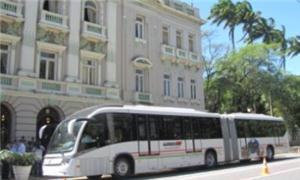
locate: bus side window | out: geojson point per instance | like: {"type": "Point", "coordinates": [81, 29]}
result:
{"type": "Point", "coordinates": [124, 127]}
{"type": "Point", "coordinates": [141, 127]}
{"type": "Point", "coordinates": [154, 126]}
{"type": "Point", "coordinates": [95, 133]}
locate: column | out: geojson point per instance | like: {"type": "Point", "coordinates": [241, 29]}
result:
{"type": "Point", "coordinates": [73, 56]}
{"type": "Point", "coordinates": [29, 36]}
{"type": "Point", "coordinates": [99, 73]}
{"type": "Point", "coordinates": [112, 22]}
{"type": "Point", "coordinates": [12, 58]}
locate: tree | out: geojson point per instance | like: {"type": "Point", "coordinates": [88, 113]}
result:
{"type": "Point", "coordinates": [212, 52]}
{"type": "Point", "coordinates": [242, 80]}
{"type": "Point", "coordinates": [225, 12]}
{"type": "Point", "coordinates": [294, 43]}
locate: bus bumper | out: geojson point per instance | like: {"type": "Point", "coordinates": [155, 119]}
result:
{"type": "Point", "coordinates": [61, 170]}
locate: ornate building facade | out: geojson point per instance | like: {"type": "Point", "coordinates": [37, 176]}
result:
{"type": "Point", "coordinates": [58, 57]}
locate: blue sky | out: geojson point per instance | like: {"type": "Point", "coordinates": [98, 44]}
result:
{"type": "Point", "coordinates": [284, 12]}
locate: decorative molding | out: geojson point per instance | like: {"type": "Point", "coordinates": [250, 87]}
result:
{"type": "Point", "coordinates": [11, 28]}
{"type": "Point", "coordinates": [91, 55]}
{"type": "Point", "coordinates": [50, 36]}
{"type": "Point", "coordinates": [9, 38]}
{"type": "Point", "coordinates": [142, 62]}
{"type": "Point", "coordinates": [51, 47]}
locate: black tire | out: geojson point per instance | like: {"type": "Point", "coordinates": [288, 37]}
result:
{"type": "Point", "coordinates": [94, 177]}
{"type": "Point", "coordinates": [270, 153]}
{"type": "Point", "coordinates": [210, 159]}
{"type": "Point", "coordinates": [122, 168]}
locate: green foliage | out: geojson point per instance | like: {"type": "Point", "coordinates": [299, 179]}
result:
{"type": "Point", "coordinates": [17, 159]}
{"type": "Point", "coordinates": [249, 79]}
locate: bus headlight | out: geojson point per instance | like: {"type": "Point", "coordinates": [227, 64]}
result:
{"type": "Point", "coordinates": [65, 160]}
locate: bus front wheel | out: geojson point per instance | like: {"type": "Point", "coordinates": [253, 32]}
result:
{"type": "Point", "coordinates": [210, 159]}
{"type": "Point", "coordinates": [122, 167]}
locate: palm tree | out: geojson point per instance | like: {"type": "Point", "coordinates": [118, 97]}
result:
{"type": "Point", "coordinates": [279, 37]}
{"type": "Point", "coordinates": [294, 44]}
{"type": "Point", "coordinates": [224, 12]}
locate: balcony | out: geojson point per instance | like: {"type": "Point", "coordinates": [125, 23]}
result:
{"type": "Point", "coordinates": [54, 21]}
{"type": "Point", "coordinates": [194, 60]}
{"type": "Point", "coordinates": [143, 97]}
{"type": "Point", "coordinates": [182, 56]}
{"type": "Point", "coordinates": [11, 10]}
{"type": "Point", "coordinates": [50, 86]}
{"type": "Point", "coordinates": [168, 53]}
{"type": "Point", "coordinates": [57, 87]}
{"type": "Point", "coordinates": [90, 90]}
{"type": "Point", "coordinates": [93, 32]}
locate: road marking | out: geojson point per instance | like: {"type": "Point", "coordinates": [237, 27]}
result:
{"type": "Point", "coordinates": [276, 173]}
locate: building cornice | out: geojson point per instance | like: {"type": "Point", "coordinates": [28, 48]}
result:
{"type": "Point", "coordinates": [159, 4]}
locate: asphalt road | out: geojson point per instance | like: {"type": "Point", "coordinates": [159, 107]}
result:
{"type": "Point", "coordinates": [284, 167]}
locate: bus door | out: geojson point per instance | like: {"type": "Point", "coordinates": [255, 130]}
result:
{"type": "Point", "coordinates": [242, 128]}
{"type": "Point", "coordinates": [276, 130]}
{"type": "Point", "coordinates": [148, 141]}
{"type": "Point", "coordinates": [188, 134]}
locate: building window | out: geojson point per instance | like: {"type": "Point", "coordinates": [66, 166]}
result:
{"type": "Point", "coordinates": [4, 58]}
{"type": "Point", "coordinates": [139, 28]}
{"type": "Point", "coordinates": [167, 85]}
{"type": "Point", "coordinates": [179, 39]}
{"type": "Point", "coordinates": [88, 75]}
{"type": "Point", "coordinates": [52, 6]}
{"type": "Point", "coordinates": [90, 12]}
{"type": "Point", "coordinates": [191, 43]}
{"type": "Point", "coordinates": [47, 66]}
{"type": "Point", "coordinates": [165, 35]}
{"type": "Point", "coordinates": [193, 89]}
{"type": "Point", "coordinates": [180, 90]}
{"type": "Point", "coordinates": [139, 80]}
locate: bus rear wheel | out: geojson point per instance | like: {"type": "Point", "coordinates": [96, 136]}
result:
{"type": "Point", "coordinates": [210, 159]}
{"type": "Point", "coordinates": [122, 168]}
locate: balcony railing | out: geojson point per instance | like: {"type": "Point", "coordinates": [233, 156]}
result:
{"type": "Point", "coordinates": [182, 56]}
{"type": "Point", "coordinates": [55, 20]}
{"type": "Point", "coordinates": [57, 87]}
{"type": "Point", "coordinates": [11, 8]}
{"type": "Point", "coordinates": [93, 90]}
{"type": "Point", "coordinates": [49, 86]}
{"type": "Point", "coordinates": [94, 30]}
{"type": "Point", "coordinates": [168, 52]}
{"type": "Point", "coordinates": [193, 57]}
{"type": "Point", "coordinates": [143, 97]}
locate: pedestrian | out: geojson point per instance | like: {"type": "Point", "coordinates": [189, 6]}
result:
{"type": "Point", "coordinates": [18, 147]}
{"type": "Point", "coordinates": [38, 151]}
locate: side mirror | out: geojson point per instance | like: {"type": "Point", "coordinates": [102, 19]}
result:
{"type": "Point", "coordinates": [41, 131]}
{"type": "Point", "coordinates": [71, 126]}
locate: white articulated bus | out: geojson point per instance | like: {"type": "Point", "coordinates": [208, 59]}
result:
{"type": "Point", "coordinates": [127, 140]}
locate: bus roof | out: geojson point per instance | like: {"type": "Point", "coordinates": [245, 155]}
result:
{"type": "Point", "coordinates": [254, 116]}
{"type": "Point", "coordinates": [156, 110]}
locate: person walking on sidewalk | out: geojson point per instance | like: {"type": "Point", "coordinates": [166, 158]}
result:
{"type": "Point", "coordinates": [38, 151]}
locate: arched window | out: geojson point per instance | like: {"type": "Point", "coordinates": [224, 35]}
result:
{"type": "Point", "coordinates": [90, 12]}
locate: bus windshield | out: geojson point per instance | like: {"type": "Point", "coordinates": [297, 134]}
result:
{"type": "Point", "coordinates": [61, 140]}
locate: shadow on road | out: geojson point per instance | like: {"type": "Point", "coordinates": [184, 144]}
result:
{"type": "Point", "coordinates": [198, 169]}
